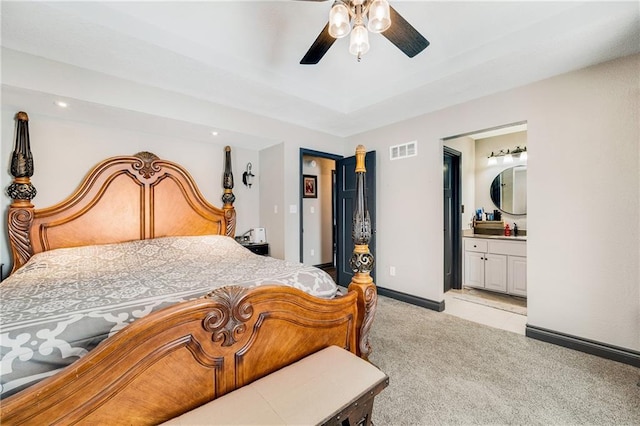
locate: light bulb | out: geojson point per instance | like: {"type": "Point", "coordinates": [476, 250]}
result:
{"type": "Point", "coordinates": [379, 16]}
{"type": "Point", "coordinates": [493, 160]}
{"type": "Point", "coordinates": [523, 156]}
{"type": "Point", "coordinates": [508, 158]}
{"type": "Point", "coordinates": [339, 25]}
{"type": "Point", "coordinates": [359, 42]}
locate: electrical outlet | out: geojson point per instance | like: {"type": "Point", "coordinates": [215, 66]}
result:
{"type": "Point", "coordinates": [312, 252]}
{"type": "Point", "coordinates": [392, 271]}
{"type": "Point", "coordinates": [275, 209]}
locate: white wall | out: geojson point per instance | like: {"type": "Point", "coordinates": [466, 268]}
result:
{"type": "Point", "coordinates": [583, 198]}
{"type": "Point", "coordinates": [272, 209]}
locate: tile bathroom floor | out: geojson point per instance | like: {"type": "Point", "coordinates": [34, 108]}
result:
{"type": "Point", "coordinates": [486, 315]}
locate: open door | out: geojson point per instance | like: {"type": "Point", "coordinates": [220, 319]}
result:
{"type": "Point", "coordinates": [452, 225]}
{"type": "Point", "coordinates": [346, 196]}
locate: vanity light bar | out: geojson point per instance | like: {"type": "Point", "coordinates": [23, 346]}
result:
{"type": "Point", "coordinates": [508, 155]}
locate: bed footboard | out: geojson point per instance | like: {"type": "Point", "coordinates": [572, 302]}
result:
{"type": "Point", "coordinates": [186, 355]}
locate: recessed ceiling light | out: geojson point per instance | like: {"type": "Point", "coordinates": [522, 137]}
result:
{"type": "Point", "coordinates": [214, 133]}
{"type": "Point", "coordinates": [61, 104]}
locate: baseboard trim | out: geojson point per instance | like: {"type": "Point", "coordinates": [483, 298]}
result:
{"type": "Point", "coordinates": [411, 299]}
{"type": "Point", "coordinates": [615, 353]}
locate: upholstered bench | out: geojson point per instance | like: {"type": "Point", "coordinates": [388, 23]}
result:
{"type": "Point", "coordinates": [330, 387]}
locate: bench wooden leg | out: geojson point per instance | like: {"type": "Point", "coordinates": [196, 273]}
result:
{"type": "Point", "coordinates": [358, 411]}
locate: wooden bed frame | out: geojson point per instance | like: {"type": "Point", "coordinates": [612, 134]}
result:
{"type": "Point", "coordinates": [183, 356]}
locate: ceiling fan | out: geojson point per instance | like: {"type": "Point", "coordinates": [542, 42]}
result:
{"type": "Point", "coordinates": [350, 16]}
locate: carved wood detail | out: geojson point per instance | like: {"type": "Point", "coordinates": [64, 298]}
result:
{"type": "Point", "coordinates": [227, 197]}
{"type": "Point", "coordinates": [230, 216]}
{"type": "Point", "coordinates": [370, 304]}
{"type": "Point", "coordinates": [22, 191]}
{"type": "Point", "coordinates": [22, 158]}
{"type": "Point", "coordinates": [146, 166]}
{"type": "Point", "coordinates": [228, 320]}
{"type": "Point", "coordinates": [20, 220]}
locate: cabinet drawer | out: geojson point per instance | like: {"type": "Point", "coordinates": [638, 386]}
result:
{"type": "Point", "coordinates": [511, 248]}
{"type": "Point", "coordinates": [473, 244]}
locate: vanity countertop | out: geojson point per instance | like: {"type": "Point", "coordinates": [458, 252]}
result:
{"type": "Point", "coordinates": [469, 234]}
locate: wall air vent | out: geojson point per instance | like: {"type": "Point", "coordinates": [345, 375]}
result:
{"type": "Point", "coordinates": [405, 150]}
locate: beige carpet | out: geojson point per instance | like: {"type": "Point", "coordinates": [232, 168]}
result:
{"type": "Point", "coordinates": [448, 371]}
{"type": "Point", "coordinates": [505, 302]}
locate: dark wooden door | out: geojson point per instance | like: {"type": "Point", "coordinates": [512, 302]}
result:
{"type": "Point", "coordinates": [346, 193]}
{"type": "Point", "coordinates": [452, 225]}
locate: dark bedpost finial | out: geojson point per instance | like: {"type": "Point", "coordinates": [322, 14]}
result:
{"type": "Point", "coordinates": [227, 197]}
{"type": "Point", "coordinates": [22, 192]}
{"type": "Point", "coordinates": [362, 260]}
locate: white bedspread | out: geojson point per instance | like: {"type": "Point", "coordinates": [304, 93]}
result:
{"type": "Point", "coordinates": [63, 302]}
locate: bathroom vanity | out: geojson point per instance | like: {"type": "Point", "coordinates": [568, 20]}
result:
{"type": "Point", "coordinates": [496, 263]}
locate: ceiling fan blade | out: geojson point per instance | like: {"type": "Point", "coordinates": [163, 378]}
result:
{"type": "Point", "coordinates": [318, 48]}
{"type": "Point", "coordinates": [404, 36]}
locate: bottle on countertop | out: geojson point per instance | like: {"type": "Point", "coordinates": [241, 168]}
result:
{"type": "Point", "coordinates": [515, 229]}
{"type": "Point", "coordinates": [507, 230]}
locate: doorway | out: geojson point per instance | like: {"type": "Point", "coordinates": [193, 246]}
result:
{"type": "Point", "coordinates": [484, 158]}
{"type": "Point", "coordinates": [318, 208]}
{"type": "Point", "coordinates": [452, 213]}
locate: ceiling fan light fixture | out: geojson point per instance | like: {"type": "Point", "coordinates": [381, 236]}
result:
{"type": "Point", "coordinates": [359, 42]}
{"type": "Point", "coordinates": [379, 16]}
{"type": "Point", "coordinates": [355, 16]}
{"type": "Point", "coordinates": [339, 20]}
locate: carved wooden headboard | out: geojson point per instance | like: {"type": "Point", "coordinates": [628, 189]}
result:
{"type": "Point", "coordinates": [121, 199]}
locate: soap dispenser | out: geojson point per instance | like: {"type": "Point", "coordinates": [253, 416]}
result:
{"type": "Point", "coordinates": [507, 230]}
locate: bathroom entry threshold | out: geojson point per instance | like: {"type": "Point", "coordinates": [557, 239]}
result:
{"type": "Point", "coordinates": [505, 302]}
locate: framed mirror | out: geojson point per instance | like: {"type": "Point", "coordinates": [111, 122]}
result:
{"type": "Point", "coordinates": [509, 190]}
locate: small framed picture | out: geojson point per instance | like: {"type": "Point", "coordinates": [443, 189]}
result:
{"type": "Point", "coordinates": [310, 186]}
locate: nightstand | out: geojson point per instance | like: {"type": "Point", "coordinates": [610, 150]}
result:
{"type": "Point", "coordinates": [258, 248]}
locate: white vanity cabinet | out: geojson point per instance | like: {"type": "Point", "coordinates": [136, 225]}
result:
{"type": "Point", "coordinates": [496, 265]}
{"type": "Point", "coordinates": [517, 275]}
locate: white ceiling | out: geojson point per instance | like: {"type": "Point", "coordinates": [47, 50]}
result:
{"type": "Point", "coordinates": [246, 54]}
